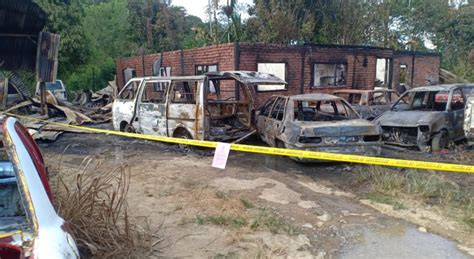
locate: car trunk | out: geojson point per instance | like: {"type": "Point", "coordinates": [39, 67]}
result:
{"type": "Point", "coordinates": [343, 128]}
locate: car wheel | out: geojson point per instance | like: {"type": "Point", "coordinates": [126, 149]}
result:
{"type": "Point", "coordinates": [182, 134]}
{"type": "Point", "coordinates": [440, 141]}
{"type": "Point", "coordinates": [129, 128]}
{"type": "Point", "coordinates": [280, 144]}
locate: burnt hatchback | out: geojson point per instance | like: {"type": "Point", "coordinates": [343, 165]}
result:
{"type": "Point", "coordinates": [426, 118]}
{"type": "Point", "coordinates": [369, 103]}
{"type": "Point", "coordinates": [317, 122]}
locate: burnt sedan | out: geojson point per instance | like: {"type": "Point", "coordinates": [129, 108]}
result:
{"type": "Point", "coordinates": [426, 118]}
{"type": "Point", "coordinates": [369, 103]}
{"type": "Point", "coordinates": [317, 122]}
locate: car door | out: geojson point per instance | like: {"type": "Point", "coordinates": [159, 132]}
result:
{"type": "Point", "coordinates": [274, 120]}
{"type": "Point", "coordinates": [262, 117]}
{"type": "Point", "coordinates": [151, 107]}
{"type": "Point", "coordinates": [123, 108]}
{"type": "Point", "coordinates": [185, 108]}
{"type": "Point", "coordinates": [456, 112]}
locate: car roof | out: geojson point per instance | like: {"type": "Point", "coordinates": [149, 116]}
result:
{"type": "Point", "coordinates": [313, 97]}
{"type": "Point", "coordinates": [362, 91]}
{"type": "Point", "coordinates": [434, 88]}
{"type": "Point", "coordinates": [251, 77]}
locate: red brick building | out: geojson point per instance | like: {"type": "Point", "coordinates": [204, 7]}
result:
{"type": "Point", "coordinates": [306, 68]}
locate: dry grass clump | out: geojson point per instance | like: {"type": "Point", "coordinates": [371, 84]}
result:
{"type": "Point", "coordinates": [95, 206]}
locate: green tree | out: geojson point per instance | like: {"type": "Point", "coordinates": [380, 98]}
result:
{"type": "Point", "coordinates": [64, 18]}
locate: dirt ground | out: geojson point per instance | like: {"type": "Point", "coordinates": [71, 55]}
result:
{"type": "Point", "coordinates": [261, 206]}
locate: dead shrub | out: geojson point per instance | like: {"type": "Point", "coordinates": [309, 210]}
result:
{"type": "Point", "coordinates": [94, 204]}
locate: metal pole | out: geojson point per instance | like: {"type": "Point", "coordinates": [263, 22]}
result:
{"type": "Point", "coordinates": [44, 107]}
{"type": "Point", "coordinates": [210, 18]}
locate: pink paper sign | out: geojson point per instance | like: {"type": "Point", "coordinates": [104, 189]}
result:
{"type": "Point", "coordinates": [220, 155]}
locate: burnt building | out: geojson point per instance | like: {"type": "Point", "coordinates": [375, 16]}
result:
{"type": "Point", "coordinates": [306, 68]}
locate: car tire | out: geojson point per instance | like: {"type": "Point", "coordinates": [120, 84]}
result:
{"type": "Point", "coordinates": [280, 144]}
{"type": "Point", "coordinates": [439, 141]}
{"type": "Point", "coordinates": [129, 128]}
{"type": "Point", "coordinates": [182, 134]}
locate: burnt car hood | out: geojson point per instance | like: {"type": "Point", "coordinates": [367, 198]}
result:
{"type": "Point", "coordinates": [356, 127]}
{"type": "Point", "coordinates": [408, 118]}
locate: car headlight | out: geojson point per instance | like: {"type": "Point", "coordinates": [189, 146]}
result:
{"type": "Point", "coordinates": [424, 128]}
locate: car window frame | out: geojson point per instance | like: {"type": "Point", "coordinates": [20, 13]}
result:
{"type": "Point", "coordinates": [449, 107]}
{"type": "Point", "coordinates": [284, 100]}
{"type": "Point", "coordinates": [142, 91]}
{"type": "Point", "coordinates": [140, 82]}
{"type": "Point", "coordinates": [271, 104]}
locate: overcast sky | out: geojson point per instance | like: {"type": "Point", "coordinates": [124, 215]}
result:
{"type": "Point", "coordinates": [198, 7]}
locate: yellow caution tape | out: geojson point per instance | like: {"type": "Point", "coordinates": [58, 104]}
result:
{"type": "Point", "coordinates": [280, 151]}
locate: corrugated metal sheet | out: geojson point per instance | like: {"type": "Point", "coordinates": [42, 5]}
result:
{"type": "Point", "coordinates": [21, 16]}
{"type": "Point", "coordinates": [20, 23]}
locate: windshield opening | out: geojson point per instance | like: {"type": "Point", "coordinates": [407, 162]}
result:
{"type": "Point", "coordinates": [335, 110]}
{"type": "Point", "coordinates": [54, 86]}
{"type": "Point", "coordinates": [423, 101]}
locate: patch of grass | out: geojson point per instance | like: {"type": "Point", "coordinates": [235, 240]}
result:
{"type": "Point", "coordinates": [429, 187]}
{"type": "Point", "coordinates": [229, 255]}
{"type": "Point", "coordinates": [386, 199]}
{"type": "Point", "coordinates": [167, 192]}
{"type": "Point", "coordinates": [247, 204]}
{"type": "Point", "coordinates": [222, 195]}
{"type": "Point", "coordinates": [222, 220]}
{"type": "Point", "coordinates": [469, 215]}
{"type": "Point", "coordinates": [264, 220]}
{"type": "Point", "coordinates": [274, 224]}
{"type": "Point", "coordinates": [381, 180]}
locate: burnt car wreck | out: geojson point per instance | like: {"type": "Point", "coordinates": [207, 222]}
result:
{"type": "Point", "coordinates": [369, 103]}
{"type": "Point", "coordinates": [426, 118]}
{"type": "Point", "coordinates": [317, 122]}
{"type": "Point", "coordinates": [205, 107]}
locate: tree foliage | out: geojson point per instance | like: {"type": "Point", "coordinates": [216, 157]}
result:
{"type": "Point", "coordinates": [65, 18]}
{"type": "Point", "coordinates": [96, 32]}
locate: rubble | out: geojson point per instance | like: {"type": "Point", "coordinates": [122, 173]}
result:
{"type": "Point", "coordinates": [48, 127]}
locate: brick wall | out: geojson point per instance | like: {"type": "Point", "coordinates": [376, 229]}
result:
{"type": "Point", "coordinates": [252, 54]}
{"type": "Point", "coordinates": [421, 69]}
{"type": "Point", "coordinates": [182, 62]}
{"type": "Point", "coordinates": [299, 59]}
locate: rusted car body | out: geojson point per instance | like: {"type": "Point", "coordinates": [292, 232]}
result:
{"type": "Point", "coordinates": [317, 122]}
{"type": "Point", "coordinates": [369, 103]}
{"type": "Point", "coordinates": [426, 118]}
{"type": "Point", "coordinates": [215, 106]}
{"type": "Point", "coordinates": [29, 225]}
